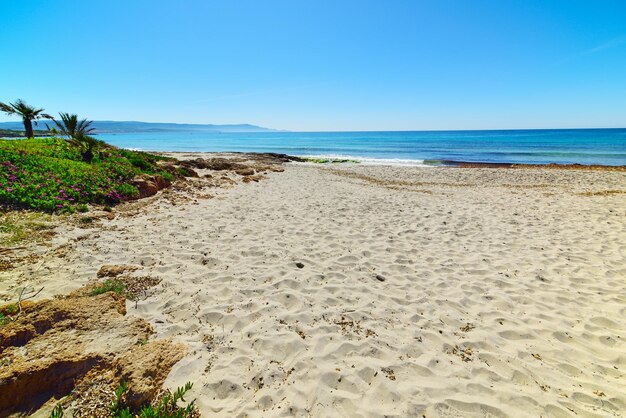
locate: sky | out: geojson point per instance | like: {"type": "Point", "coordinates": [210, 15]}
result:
{"type": "Point", "coordinates": [321, 65]}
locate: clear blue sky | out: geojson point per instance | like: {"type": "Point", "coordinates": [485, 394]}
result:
{"type": "Point", "coordinates": [323, 64]}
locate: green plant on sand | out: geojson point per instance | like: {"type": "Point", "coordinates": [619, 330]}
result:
{"type": "Point", "coordinates": [57, 412]}
{"type": "Point", "coordinates": [165, 406]}
{"type": "Point", "coordinates": [109, 285]}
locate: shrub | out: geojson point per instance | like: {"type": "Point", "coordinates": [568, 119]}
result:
{"type": "Point", "coordinates": [165, 407]}
{"type": "Point", "coordinates": [167, 175]}
{"type": "Point", "coordinates": [127, 190]}
{"type": "Point", "coordinates": [49, 174]}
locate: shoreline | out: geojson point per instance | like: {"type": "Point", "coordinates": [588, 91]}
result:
{"type": "Point", "coordinates": [436, 163]}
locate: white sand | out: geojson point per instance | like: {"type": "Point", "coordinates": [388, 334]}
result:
{"type": "Point", "coordinates": [504, 291]}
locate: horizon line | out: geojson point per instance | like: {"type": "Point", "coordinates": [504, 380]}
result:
{"type": "Point", "coordinates": [347, 130]}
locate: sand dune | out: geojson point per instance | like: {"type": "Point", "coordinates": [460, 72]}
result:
{"type": "Point", "coordinates": [382, 291]}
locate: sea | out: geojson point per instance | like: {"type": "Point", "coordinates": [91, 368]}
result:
{"type": "Point", "coordinates": [561, 146]}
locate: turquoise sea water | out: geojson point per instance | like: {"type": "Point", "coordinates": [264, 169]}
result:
{"type": "Point", "coordinates": [582, 146]}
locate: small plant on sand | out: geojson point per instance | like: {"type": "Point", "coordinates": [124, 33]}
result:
{"type": "Point", "coordinates": [19, 227]}
{"type": "Point", "coordinates": [109, 285]}
{"type": "Point", "coordinates": [57, 412]}
{"type": "Point", "coordinates": [117, 410]}
{"type": "Point", "coordinates": [163, 407]}
{"type": "Point", "coordinates": [8, 313]}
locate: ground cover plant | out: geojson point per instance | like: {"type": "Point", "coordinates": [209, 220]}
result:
{"type": "Point", "coordinates": [164, 406]}
{"type": "Point", "coordinates": [110, 285]}
{"type": "Point", "coordinates": [50, 174]}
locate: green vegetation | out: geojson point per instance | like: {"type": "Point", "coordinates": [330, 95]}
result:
{"type": "Point", "coordinates": [12, 133]}
{"type": "Point", "coordinates": [70, 126]}
{"type": "Point", "coordinates": [328, 160]}
{"type": "Point", "coordinates": [77, 132]}
{"type": "Point", "coordinates": [5, 314]}
{"type": "Point", "coordinates": [117, 409]}
{"type": "Point", "coordinates": [65, 174]}
{"type": "Point", "coordinates": [51, 174]}
{"type": "Point", "coordinates": [164, 407]}
{"type": "Point", "coordinates": [57, 412]}
{"type": "Point", "coordinates": [29, 114]}
{"type": "Point", "coordinates": [110, 285]}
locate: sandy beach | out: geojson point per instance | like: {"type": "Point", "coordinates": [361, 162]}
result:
{"type": "Point", "coordinates": [370, 291]}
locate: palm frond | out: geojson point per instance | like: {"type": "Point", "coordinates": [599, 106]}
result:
{"type": "Point", "coordinates": [19, 107]}
{"type": "Point", "coordinates": [7, 108]}
{"type": "Point", "coordinates": [71, 126]}
{"type": "Point", "coordinates": [84, 126]}
{"type": "Point", "coordinates": [26, 111]}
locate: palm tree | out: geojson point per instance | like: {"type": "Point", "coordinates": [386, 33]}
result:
{"type": "Point", "coordinates": [77, 132]}
{"type": "Point", "coordinates": [28, 114]}
{"type": "Point", "coordinates": [71, 127]}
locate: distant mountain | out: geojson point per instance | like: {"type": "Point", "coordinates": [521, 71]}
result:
{"type": "Point", "coordinates": [108, 126]}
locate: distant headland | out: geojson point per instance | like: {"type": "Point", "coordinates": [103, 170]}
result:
{"type": "Point", "coordinates": [107, 126]}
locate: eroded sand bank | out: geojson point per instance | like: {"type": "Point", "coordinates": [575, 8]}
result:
{"type": "Point", "coordinates": [368, 291]}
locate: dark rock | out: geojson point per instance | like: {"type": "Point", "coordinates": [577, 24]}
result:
{"type": "Point", "coordinates": [162, 182]}
{"type": "Point", "coordinates": [380, 278]}
{"type": "Point", "coordinates": [272, 157]}
{"type": "Point", "coordinates": [146, 187]}
{"type": "Point", "coordinates": [114, 270]}
{"type": "Point", "coordinates": [168, 166]}
{"type": "Point", "coordinates": [149, 185]}
{"type": "Point", "coordinates": [187, 172]}
{"type": "Point", "coordinates": [299, 265]}
{"type": "Point", "coordinates": [245, 172]}
{"type": "Point", "coordinates": [218, 164]}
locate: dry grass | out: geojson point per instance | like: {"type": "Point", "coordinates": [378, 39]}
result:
{"type": "Point", "coordinates": [393, 184]}
{"type": "Point", "coordinates": [22, 227]}
{"type": "Point", "coordinates": [603, 193]}
{"type": "Point", "coordinates": [20, 232]}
